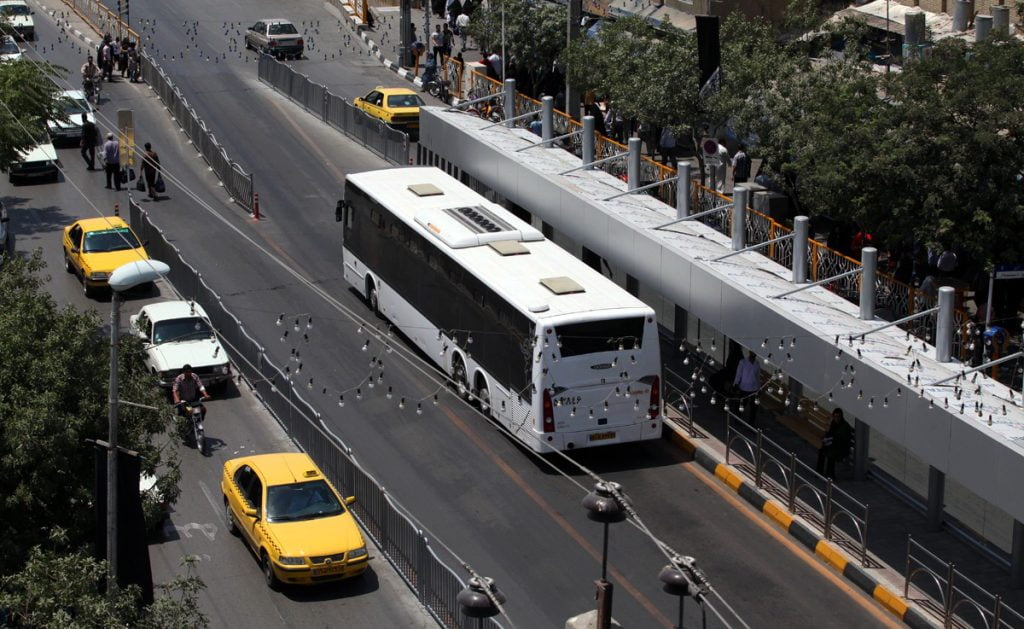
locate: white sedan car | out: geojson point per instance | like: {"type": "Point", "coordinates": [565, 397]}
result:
{"type": "Point", "coordinates": [9, 50]}
{"type": "Point", "coordinates": [74, 105]}
{"type": "Point", "coordinates": [178, 333]}
{"type": "Point", "coordinates": [37, 163]}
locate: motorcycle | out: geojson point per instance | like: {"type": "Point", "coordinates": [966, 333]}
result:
{"type": "Point", "coordinates": [193, 411]}
{"type": "Point", "coordinates": [438, 88]}
{"type": "Point", "coordinates": [92, 90]}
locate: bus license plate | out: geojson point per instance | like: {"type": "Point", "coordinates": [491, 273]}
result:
{"type": "Point", "coordinates": [601, 436]}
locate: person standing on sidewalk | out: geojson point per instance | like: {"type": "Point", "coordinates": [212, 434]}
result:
{"type": "Point", "coordinates": [90, 138]}
{"type": "Point", "coordinates": [748, 381]}
{"type": "Point", "coordinates": [741, 166]}
{"type": "Point", "coordinates": [835, 445]}
{"type": "Point", "coordinates": [436, 42]}
{"type": "Point", "coordinates": [461, 28]}
{"type": "Point", "coordinates": [112, 161]}
{"type": "Point", "coordinates": [447, 39]}
{"type": "Point", "coordinates": [150, 170]}
{"type": "Point", "coordinates": [667, 147]}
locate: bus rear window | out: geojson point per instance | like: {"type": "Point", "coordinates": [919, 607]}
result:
{"type": "Point", "coordinates": [600, 336]}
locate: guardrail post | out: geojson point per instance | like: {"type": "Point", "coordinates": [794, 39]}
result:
{"type": "Point", "coordinates": [801, 233]}
{"type": "Point", "coordinates": [757, 462]}
{"type": "Point", "coordinates": [547, 119]}
{"type": "Point", "coordinates": [950, 590]}
{"type": "Point", "coordinates": [792, 482]}
{"type": "Point", "coordinates": [944, 325]}
{"type": "Point", "coordinates": [739, 218]}
{"type": "Point", "coordinates": [633, 171]}
{"type": "Point", "coordinates": [683, 185]}
{"type": "Point", "coordinates": [868, 262]}
{"type": "Point", "coordinates": [828, 510]}
{"type": "Point", "coordinates": [864, 540]}
{"type": "Point", "coordinates": [906, 574]}
{"type": "Point", "coordinates": [728, 436]}
{"type": "Point", "coordinates": [588, 142]}
{"type": "Point", "coordinates": [422, 568]}
{"type": "Point", "coordinates": [510, 102]}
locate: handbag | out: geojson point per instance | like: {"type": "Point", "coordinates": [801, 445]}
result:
{"type": "Point", "coordinates": [140, 185]}
{"type": "Point", "coordinates": [131, 174]}
{"type": "Point", "coordinates": [124, 175]}
{"type": "Point", "coordinates": [159, 185]}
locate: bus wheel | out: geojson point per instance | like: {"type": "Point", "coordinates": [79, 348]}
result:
{"type": "Point", "coordinates": [459, 376]}
{"type": "Point", "coordinates": [484, 395]}
{"type": "Point", "coordinates": [374, 301]}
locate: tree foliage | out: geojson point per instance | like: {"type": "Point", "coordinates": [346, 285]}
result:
{"type": "Point", "coordinates": [63, 590]}
{"type": "Point", "coordinates": [535, 35]}
{"type": "Point", "coordinates": [53, 372]}
{"type": "Point", "coordinates": [28, 96]}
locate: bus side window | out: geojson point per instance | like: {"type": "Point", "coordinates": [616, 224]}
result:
{"type": "Point", "coordinates": [377, 218]}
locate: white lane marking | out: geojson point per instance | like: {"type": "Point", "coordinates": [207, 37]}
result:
{"type": "Point", "coordinates": [208, 529]}
{"type": "Point", "coordinates": [216, 506]}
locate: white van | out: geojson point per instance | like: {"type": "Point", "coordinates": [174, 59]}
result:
{"type": "Point", "coordinates": [19, 16]}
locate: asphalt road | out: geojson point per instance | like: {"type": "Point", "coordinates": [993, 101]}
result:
{"type": "Point", "coordinates": [508, 514]}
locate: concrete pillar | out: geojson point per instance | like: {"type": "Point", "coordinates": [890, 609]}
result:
{"type": "Point", "coordinates": [510, 102]}
{"type": "Point", "coordinates": [936, 498]}
{"type": "Point", "coordinates": [547, 119]}
{"type": "Point", "coordinates": [588, 141]}
{"type": "Point", "coordinates": [683, 191]}
{"type": "Point", "coordinates": [633, 172]}
{"type": "Point", "coordinates": [796, 391]}
{"type": "Point", "coordinates": [944, 325]}
{"type": "Point", "coordinates": [982, 27]}
{"type": "Point", "coordinates": [739, 218]}
{"type": "Point", "coordinates": [914, 27]}
{"type": "Point", "coordinates": [861, 444]}
{"type": "Point", "coordinates": [961, 15]}
{"type": "Point", "coordinates": [801, 233]}
{"type": "Point", "coordinates": [1000, 19]}
{"type": "Point", "coordinates": [1017, 556]}
{"type": "Point", "coordinates": [868, 277]}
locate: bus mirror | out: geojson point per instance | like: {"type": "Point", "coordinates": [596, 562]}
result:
{"type": "Point", "coordinates": [339, 211]}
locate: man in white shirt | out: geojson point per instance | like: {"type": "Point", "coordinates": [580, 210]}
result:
{"type": "Point", "coordinates": [461, 23]}
{"type": "Point", "coordinates": [748, 381]}
{"type": "Point", "coordinates": [495, 60]}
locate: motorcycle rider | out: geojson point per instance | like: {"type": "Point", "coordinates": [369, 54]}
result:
{"type": "Point", "coordinates": [188, 388]}
{"type": "Point", "coordinates": [90, 76]}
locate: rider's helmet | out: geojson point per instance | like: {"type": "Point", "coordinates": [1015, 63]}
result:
{"type": "Point", "coordinates": [187, 368]}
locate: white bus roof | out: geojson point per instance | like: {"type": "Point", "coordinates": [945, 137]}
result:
{"type": "Point", "coordinates": [517, 278]}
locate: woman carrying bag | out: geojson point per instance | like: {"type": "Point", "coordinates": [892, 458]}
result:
{"type": "Point", "coordinates": [151, 172]}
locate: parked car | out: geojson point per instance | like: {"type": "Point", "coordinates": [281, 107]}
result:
{"type": "Point", "coordinates": [38, 163]}
{"type": "Point", "coordinates": [275, 37]}
{"type": "Point", "coordinates": [178, 333]}
{"type": "Point", "coordinates": [399, 107]}
{"type": "Point", "coordinates": [293, 519]}
{"type": "Point", "coordinates": [9, 50]}
{"type": "Point", "coordinates": [94, 247]}
{"type": "Point", "coordinates": [70, 129]}
{"type": "Point", "coordinates": [19, 16]}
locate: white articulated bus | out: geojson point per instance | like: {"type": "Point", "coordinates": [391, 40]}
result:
{"type": "Point", "coordinates": [559, 354]}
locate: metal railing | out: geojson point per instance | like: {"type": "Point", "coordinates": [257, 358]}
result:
{"type": "Point", "coordinates": [102, 19]}
{"type": "Point", "coordinates": [402, 543]}
{"type": "Point", "coordinates": [678, 401]}
{"type": "Point", "coordinates": [391, 144]}
{"type": "Point", "coordinates": [841, 517]}
{"type": "Point", "coordinates": [236, 181]}
{"type": "Point", "coordinates": [955, 599]}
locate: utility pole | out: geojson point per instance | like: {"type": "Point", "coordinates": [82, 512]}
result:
{"type": "Point", "coordinates": [572, 95]}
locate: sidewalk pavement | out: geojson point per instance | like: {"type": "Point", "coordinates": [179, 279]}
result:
{"type": "Point", "coordinates": [891, 519]}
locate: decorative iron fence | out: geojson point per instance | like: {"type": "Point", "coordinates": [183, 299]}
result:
{"type": "Point", "coordinates": [391, 144]}
{"type": "Point", "coordinates": [400, 540]}
{"type": "Point", "coordinates": [102, 19]}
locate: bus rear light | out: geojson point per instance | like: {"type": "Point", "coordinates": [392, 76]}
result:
{"type": "Point", "coordinates": [549, 412]}
{"type": "Point", "coordinates": [655, 406]}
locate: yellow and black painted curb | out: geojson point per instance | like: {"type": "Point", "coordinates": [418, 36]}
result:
{"type": "Point", "coordinates": [821, 547]}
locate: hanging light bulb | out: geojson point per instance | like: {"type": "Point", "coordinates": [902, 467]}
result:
{"type": "Point", "coordinates": [757, 401]}
{"type": "Point", "coordinates": [359, 394]}
{"type": "Point", "coordinates": [871, 403]}
{"type": "Point", "coordinates": [606, 406]}
{"type": "Point", "coordinates": [686, 360]}
{"type": "Point", "coordinates": [419, 408]}
{"type": "Point", "coordinates": [885, 402]}
{"type": "Point", "coordinates": [284, 335]}
{"type": "Point", "coordinates": [296, 327]}
{"type": "Point", "coordinates": [341, 400]}
{"type": "Point", "coordinates": [636, 403]}
{"type": "Point", "coordinates": [359, 330]}
{"type": "Point", "coordinates": [366, 345]}
{"type": "Point", "coordinates": [401, 404]}
{"type": "Point", "coordinates": [590, 414]}
{"type": "Point", "coordinates": [572, 413]}
{"type": "Point", "coordinates": [380, 377]}
{"type": "Point", "coordinates": [713, 400]}
{"type": "Point", "coordinates": [682, 347]}
{"type": "Point", "coordinates": [782, 343]}
{"type": "Point", "coordinates": [703, 389]}
{"type": "Point", "coordinates": [435, 399]}
{"type": "Point", "coordinates": [389, 394]}
{"type": "Point", "coordinates": [309, 323]}
{"type": "Point", "coordinates": [713, 345]}
{"type": "Point", "coordinates": [792, 342]}
{"type": "Point", "coordinates": [764, 343]}
{"type": "Point", "coordinates": [799, 407]}
{"type": "Point", "coordinates": [280, 319]}
{"type": "Point", "coordinates": [740, 408]}
{"type": "Point", "coordinates": [860, 394]}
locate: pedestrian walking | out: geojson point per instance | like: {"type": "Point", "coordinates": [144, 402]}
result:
{"type": "Point", "coordinates": [447, 39]}
{"type": "Point", "coordinates": [667, 147]}
{"type": "Point", "coordinates": [835, 445]}
{"type": "Point", "coordinates": [436, 42]}
{"type": "Point", "coordinates": [740, 166]}
{"type": "Point", "coordinates": [123, 59]}
{"type": "Point", "coordinates": [112, 161]}
{"type": "Point", "coordinates": [748, 381]}
{"type": "Point", "coordinates": [494, 60]}
{"type": "Point", "coordinates": [107, 59]}
{"type": "Point", "coordinates": [133, 64]}
{"type": "Point", "coordinates": [150, 170]}
{"type": "Point", "coordinates": [462, 28]}
{"type": "Point", "coordinates": [115, 56]}
{"type": "Point", "coordinates": [90, 138]}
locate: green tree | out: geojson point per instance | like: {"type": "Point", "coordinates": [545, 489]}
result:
{"type": "Point", "coordinates": [28, 96]}
{"type": "Point", "coordinates": [65, 590]}
{"type": "Point", "coordinates": [53, 372]}
{"type": "Point", "coordinates": [535, 35]}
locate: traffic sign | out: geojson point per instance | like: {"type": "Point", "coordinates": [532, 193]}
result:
{"type": "Point", "coordinates": [1009, 271]}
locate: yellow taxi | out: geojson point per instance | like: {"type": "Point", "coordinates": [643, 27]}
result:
{"type": "Point", "coordinates": [293, 519]}
{"type": "Point", "coordinates": [94, 247]}
{"type": "Point", "coordinates": [399, 107]}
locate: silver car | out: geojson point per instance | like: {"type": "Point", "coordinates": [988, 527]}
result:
{"type": "Point", "coordinates": [275, 37]}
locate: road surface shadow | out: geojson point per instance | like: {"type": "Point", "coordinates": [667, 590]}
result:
{"type": "Point", "coordinates": [358, 586]}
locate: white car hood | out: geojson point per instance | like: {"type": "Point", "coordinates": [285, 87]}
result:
{"type": "Point", "coordinates": [74, 123]}
{"type": "Point", "coordinates": [40, 153]}
{"type": "Point", "coordinates": [12, 56]}
{"type": "Point", "coordinates": [174, 355]}
{"type": "Point", "coordinates": [20, 21]}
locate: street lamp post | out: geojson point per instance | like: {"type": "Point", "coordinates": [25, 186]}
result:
{"type": "Point", "coordinates": [603, 506]}
{"type": "Point", "coordinates": [478, 598]}
{"type": "Point", "coordinates": [123, 278]}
